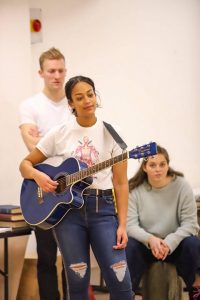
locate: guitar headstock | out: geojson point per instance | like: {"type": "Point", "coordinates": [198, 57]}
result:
{"type": "Point", "coordinates": [143, 151]}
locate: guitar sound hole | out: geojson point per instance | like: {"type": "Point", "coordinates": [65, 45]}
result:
{"type": "Point", "coordinates": [61, 184]}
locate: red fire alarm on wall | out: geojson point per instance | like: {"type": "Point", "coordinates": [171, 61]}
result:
{"type": "Point", "coordinates": [36, 25]}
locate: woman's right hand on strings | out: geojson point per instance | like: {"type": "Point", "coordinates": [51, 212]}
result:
{"type": "Point", "coordinates": [45, 182]}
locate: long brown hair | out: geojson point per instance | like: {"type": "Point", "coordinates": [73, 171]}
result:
{"type": "Point", "coordinates": [141, 176]}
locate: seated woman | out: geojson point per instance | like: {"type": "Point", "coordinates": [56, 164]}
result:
{"type": "Point", "coordinates": [162, 222]}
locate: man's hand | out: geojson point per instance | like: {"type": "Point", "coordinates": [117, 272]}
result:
{"type": "Point", "coordinates": [30, 135]}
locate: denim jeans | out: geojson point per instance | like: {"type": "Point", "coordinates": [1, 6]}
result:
{"type": "Point", "coordinates": [94, 224]}
{"type": "Point", "coordinates": [186, 258]}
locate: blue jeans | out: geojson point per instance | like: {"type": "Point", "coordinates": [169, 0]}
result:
{"type": "Point", "coordinates": [186, 258]}
{"type": "Point", "coordinates": [94, 224]}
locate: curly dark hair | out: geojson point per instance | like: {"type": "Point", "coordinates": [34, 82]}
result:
{"type": "Point", "coordinates": [72, 82]}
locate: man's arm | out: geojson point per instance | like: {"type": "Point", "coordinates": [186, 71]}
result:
{"type": "Point", "coordinates": [30, 135]}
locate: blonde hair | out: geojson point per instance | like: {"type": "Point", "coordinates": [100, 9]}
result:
{"type": "Point", "coordinates": [52, 53]}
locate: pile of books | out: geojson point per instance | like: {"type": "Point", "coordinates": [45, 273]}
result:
{"type": "Point", "coordinates": [11, 216]}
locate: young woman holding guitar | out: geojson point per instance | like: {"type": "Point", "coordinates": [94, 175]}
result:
{"type": "Point", "coordinates": [95, 222]}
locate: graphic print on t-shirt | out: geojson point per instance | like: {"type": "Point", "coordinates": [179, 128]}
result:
{"type": "Point", "coordinates": [86, 152]}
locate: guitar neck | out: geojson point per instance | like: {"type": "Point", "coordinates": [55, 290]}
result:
{"type": "Point", "coordinates": [75, 177]}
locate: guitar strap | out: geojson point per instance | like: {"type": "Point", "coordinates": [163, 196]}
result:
{"type": "Point", "coordinates": [115, 135]}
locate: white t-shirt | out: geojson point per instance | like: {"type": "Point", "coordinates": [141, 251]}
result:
{"type": "Point", "coordinates": [43, 112]}
{"type": "Point", "coordinates": [91, 145]}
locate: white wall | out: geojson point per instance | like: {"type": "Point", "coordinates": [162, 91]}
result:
{"type": "Point", "coordinates": [14, 86]}
{"type": "Point", "coordinates": [143, 56]}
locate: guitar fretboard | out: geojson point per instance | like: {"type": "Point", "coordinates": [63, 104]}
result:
{"type": "Point", "coordinates": [75, 177]}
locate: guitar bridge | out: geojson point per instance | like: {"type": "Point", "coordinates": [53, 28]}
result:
{"type": "Point", "coordinates": [40, 195]}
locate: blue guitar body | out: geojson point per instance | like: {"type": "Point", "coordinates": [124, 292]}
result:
{"type": "Point", "coordinates": [45, 210]}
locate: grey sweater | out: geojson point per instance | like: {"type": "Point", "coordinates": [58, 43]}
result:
{"type": "Point", "coordinates": [169, 213]}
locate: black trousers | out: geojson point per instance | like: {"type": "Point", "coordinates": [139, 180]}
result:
{"type": "Point", "coordinates": [186, 258]}
{"type": "Point", "coordinates": [46, 266]}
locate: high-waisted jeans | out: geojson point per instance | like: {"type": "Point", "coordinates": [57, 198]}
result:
{"type": "Point", "coordinates": [94, 224]}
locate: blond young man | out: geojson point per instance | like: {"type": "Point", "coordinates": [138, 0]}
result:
{"type": "Point", "coordinates": [38, 114]}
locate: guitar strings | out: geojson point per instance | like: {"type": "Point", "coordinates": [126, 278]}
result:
{"type": "Point", "coordinates": [91, 170]}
